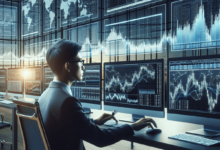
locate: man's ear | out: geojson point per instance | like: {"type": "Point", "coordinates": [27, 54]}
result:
{"type": "Point", "coordinates": [67, 66]}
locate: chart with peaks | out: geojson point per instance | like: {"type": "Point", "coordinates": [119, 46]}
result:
{"type": "Point", "coordinates": [195, 85]}
{"type": "Point", "coordinates": [134, 84]}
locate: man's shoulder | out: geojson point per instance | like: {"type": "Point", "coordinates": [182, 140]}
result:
{"type": "Point", "coordinates": [55, 93]}
{"type": "Point", "coordinates": [72, 100]}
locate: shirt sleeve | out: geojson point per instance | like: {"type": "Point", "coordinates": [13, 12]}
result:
{"type": "Point", "coordinates": [83, 127]}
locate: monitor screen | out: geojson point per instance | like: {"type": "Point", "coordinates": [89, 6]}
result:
{"type": "Point", "coordinates": [48, 77]}
{"type": "Point", "coordinates": [194, 86]}
{"type": "Point", "coordinates": [15, 81]}
{"type": "Point", "coordinates": [3, 80]}
{"type": "Point", "coordinates": [89, 89]}
{"type": "Point", "coordinates": [134, 85]}
{"type": "Point", "coordinates": [33, 81]}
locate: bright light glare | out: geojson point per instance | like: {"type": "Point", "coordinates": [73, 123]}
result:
{"type": "Point", "coordinates": [26, 74]}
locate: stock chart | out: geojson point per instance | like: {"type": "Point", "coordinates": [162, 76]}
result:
{"type": "Point", "coordinates": [15, 80]}
{"type": "Point", "coordinates": [134, 84]}
{"type": "Point", "coordinates": [89, 87]}
{"type": "Point", "coordinates": [195, 24]}
{"type": "Point", "coordinates": [194, 85]}
{"type": "Point", "coordinates": [32, 81]}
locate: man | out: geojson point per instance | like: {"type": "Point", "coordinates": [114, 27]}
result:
{"type": "Point", "coordinates": [65, 121]}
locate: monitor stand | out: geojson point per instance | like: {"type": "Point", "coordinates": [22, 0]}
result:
{"type": "Point", "coordinates": [87, 110]}
{"type": "Point", "coordinates": [133, 119]}
{"type": "Point", "coordinates": [208, 131]}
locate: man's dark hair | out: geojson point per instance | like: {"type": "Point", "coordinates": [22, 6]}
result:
{"type": "Point", "coordinates": [60, 53]}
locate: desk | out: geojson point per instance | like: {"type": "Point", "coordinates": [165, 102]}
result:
{"type": "Point", "coordinates": [14, 124]}
{"type": "Point", "coordinates": [161, 140]}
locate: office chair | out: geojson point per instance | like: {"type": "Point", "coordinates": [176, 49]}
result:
{"type": "Point", "coordinates": [2, 126]}
{"type": "Point", "coordinates": [31, 124]}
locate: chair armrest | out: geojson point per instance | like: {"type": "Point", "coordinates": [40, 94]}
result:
{"type": "Point", "coordinates": [2, 117]}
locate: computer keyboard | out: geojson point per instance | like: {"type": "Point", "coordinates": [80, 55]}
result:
{"type": "Point", "coordinates": [113, 123]}
{"type": "Point", "coordinates": [195, 139]}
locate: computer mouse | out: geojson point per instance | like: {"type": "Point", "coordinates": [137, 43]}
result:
{"type": "Point", "coordinates": [153, 131]}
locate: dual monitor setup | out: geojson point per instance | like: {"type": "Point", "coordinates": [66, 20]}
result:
{"type": "Point", "coordinates": [137, 88]}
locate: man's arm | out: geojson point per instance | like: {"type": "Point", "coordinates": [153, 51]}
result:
{"type": "Point", "coordinates": [84, 128]}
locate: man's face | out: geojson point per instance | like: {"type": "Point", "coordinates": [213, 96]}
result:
{"type": "Point", "coordinates": [76, 69]}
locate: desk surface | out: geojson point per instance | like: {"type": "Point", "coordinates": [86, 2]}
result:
{"type": "Point", "coordinates": [161, 140]}
{"type": "Point", "coordinates": [12, 105]}
{"type": "Point", "coordinates": [9, 106]}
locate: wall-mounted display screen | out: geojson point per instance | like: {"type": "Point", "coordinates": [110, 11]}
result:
{"type": "Point", "coordinates": [15, 80]}
{"type": "Point", "coordinates": [89, 89]}
{"type": "Point", "coordinates": [8, 21]}
{"type": "Point", "coordinates": [195, 24]}
{"type": "Point", "coordinates": [32, 78]}
{"type": "Point", "coordinates": [134, 84]}
{"type": "Point", "coordinates": [49, 15]}
{"type": "Point", "coordinates": [143, 33]}
{"type": "Point", "coordinates": [73, 11]}
{"type": "Point", "coordinates": [3, 79]}
{"type": "Point", "coordinates": [30, 15]}
{"type": "Point", "coordinates": [48, 77]}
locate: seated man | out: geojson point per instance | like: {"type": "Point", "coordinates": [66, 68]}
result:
{"type": "Point", "coordinates": [65, 121]}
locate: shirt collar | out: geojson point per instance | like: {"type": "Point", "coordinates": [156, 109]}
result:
{"type": "Point", "coordinates": [64, 85]}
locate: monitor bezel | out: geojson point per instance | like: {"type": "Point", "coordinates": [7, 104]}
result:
{"type": "Point", "coordinates": [100, 101]}
{"type": "Point", "coordinates": [41, 82]}
{"type": "Point", "coordinates": [137, 106]}
{"type": "Point", "coordinates": [185, 113]}
{"type": "Point", "coordinates": [20, 93]}
{"type": "Point", "coordinates": [6, 77]}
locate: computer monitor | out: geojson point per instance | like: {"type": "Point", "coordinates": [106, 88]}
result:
{"type": "Point", "coordinates": [89, 90]}
{"type": "Point", "coordinates": [48, 77]}
{"type": "Point", "coordinates": [33, 82]}
{"type": "Point", "coordinates": [3, 81]}
{"type": "Point", "coordinates": [135, 88]}
{"type": "Point", "coordinates": [15, 83]}
{"type": "Point", "coordinates": [193, 92]}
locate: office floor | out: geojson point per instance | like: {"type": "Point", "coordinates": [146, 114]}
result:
{"type": "Point", "coordinates": [122, 145]}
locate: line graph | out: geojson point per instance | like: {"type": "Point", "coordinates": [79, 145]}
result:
{"type": "Point", "coordinates": [195, 24]}
{"type": "Point", "coordinates": [134, 84]}
{"type": "Point", "coordinates": [200, 89]}
{"type": "Point", "coordinates": [117, 97]}
{"type": "Point", "coordinates": [129, 81]}
{"type": "Point", "coordinates": [141, 38]}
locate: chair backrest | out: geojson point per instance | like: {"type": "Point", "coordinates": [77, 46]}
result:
{"type": "Point", "coordinates": [31, 124]}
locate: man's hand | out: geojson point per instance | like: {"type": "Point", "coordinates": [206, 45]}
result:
{"type": "Point", "coordinates": [142, 123]}
{"type": "Point", "coordinates": [103, 118]}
